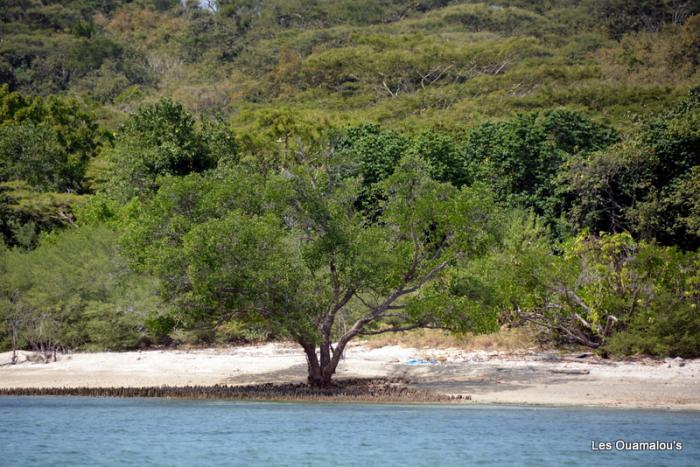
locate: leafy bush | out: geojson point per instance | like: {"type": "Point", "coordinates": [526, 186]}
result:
{"type": "Point", "coordinates": [668, 330]}
{"type": "Point", "coordinates": [75, 291]}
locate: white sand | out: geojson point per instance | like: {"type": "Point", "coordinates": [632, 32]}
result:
{"type": "Point", "coordinates": [488, 377]}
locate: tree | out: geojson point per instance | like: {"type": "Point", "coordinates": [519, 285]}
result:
{"type": "Point", "coordinates": [445, 159]}
{"type": "Point", "coordinates": [607, 292]}
{"type": "Point", "coordinates": [45, 147]}
{"type": "Point", "coordinates": [46, 142]}
{"type": "Point", "coordinates": [283, 136]}
{"type": "Point", "coordinates": [159, 139]}
{"type": "Point", "coordinates": [644, 184]}
{"type": "Point", "coordinates": [520, 158]}
{"type": "Point", "coordinates": [621, 16]}
{"type": "Point", "coordinates": [598, 190]}
{"type": "Point", "coordinates": [12, 314]}
{"type": "Point", "coordinates": [294, 253]}
{"type": "Point", "coordinates": [32, 152]}
{"type": "Point", "coordinates": [373, 153]}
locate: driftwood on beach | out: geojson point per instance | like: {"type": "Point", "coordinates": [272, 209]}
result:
{"type": "Point", "coordinates": [356, 390]}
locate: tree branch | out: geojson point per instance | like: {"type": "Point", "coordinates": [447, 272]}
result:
{"type": "Point", "coordinates": [394, 329]}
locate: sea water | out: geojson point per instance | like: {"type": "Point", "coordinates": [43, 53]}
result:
{"type": "Point", "coordinates": [135, 432]}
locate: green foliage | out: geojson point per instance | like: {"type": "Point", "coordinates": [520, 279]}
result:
{"type": "Point", "coordinates": [441, 152]}
{"type": "Point", "coordinates": [74, 291]}
{"type": "Point", "coordinates": [45, 147]}
{"type": "Point", "coordinates": [571, 112]}
{"type": "Point", "coordinates": [514, 276]}
{"type": "Point", "coordinates": [218, 34]}
{"type": "Point", "coordinates": [651, 292]}
{"type": "Point", "coordinates": [281, 137]}
{"type": "Point", "coordinates": [51, 46]}
{"type": "Point", "coordinates": [32, 152]}
{"type": "Point", "coordinates": [520, 158]}
{"type": "Point", "coordinates": [396, 61]}
{"type": "Point", "coordinates": [373, 154]}
{"type": "Point", "coordinates": [46, 142]}
{"type": "Point", "coordinates": [97, 210]}
{"type": "Point", "coordinates": [283, 252]}
{"type": "Point", "coordinates": [158, 140]}
{"type": "Point", "coordinates": [26, 213]}
{"type": "Point", "coordinates": [640, 184]}
{"type": "Point", "coordinates": [674, 139]}
{"type": "Point", "coordinates": [621, 16]}
{"type": "Point", "coordinates": [608, 291]}
{"type": "Point", "coordinates": [376, 151]}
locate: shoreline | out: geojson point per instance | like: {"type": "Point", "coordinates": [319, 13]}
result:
{"type": "Point", "coordinates": [377, 390]}
{"type": "Point", "coordinates": [466, 404]}
{"type": "Point", "coordinates": [525, 378]}
{"type": "Point", "coordinates": [110, 393]}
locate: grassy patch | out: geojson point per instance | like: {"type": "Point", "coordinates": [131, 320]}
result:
{"type": "Point", "coordinates": [507, 340]}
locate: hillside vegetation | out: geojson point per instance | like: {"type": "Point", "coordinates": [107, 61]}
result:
{"type": "Point", "coordinates": [239, 170]}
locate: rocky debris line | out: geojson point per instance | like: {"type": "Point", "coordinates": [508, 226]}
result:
{"type": "Point", "coordinates": [350, 390]}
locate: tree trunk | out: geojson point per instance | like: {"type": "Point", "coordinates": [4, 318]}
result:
{"type": "Point", "coordinates": [14, 346]}
{"type": "Point", "coordinates": [327, 369]}
{"type": "Point", "coordinates": [314, 368]}
{"type": "Point", "coordinates": [320, 373]}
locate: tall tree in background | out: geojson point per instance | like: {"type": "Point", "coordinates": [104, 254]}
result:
{"type": "Point", "coordinates": [46, 142]}
{"type": "Point", "coordinates": [158, 140]}
{"type": "Point", "coordinates": [644, 184]}
{"type": "Point", "coordinates": [46, 145]}
{"type": "Point", "coordinates": [520, 158]}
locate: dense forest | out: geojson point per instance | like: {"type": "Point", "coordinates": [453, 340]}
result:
{"type": "Point", "coordinates": [239, 170]}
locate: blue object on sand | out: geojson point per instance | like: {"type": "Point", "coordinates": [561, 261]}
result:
{"type": "Point", "coordinates": [415, 361]}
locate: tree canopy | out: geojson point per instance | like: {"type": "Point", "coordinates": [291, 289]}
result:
{"type": "Point", "coordinates": [315, 257]}
{"type": "Point", "coordinates": [158, 140]}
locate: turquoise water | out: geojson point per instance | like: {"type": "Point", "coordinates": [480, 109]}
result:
{"type": "Point", "coordinates": [105, 431]}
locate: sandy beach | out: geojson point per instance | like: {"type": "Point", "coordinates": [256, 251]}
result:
{"type": "Point", "coordinates": [488, 377]}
